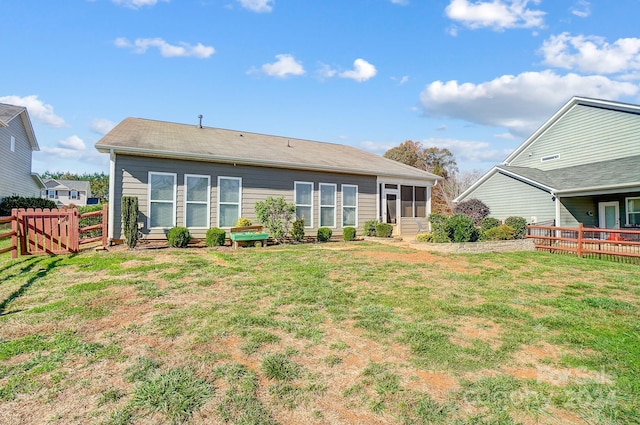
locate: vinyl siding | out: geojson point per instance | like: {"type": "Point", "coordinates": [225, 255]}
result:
{"type": "Point", "coordinates": [257, 184]}
{"type": "Point", "coordinates": [507, 197]}
{"type": "Point", "coordinates": [585, 134]}
{"type": "Point", "coordinates": [15, 167]}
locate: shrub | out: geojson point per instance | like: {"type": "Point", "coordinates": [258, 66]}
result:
{"type": "Point", "coordinates": [276, 215]}
{"type": "Point", "coordinates": [349, 233]}
{"type": "Point", "coordinates": [424, 237]}
{"type": "Point", "coordinates": [215, 237]}
{"type": "Point", "coordinates": [500, 233]}
{"type": "Point", "coordinates": [519, 225]}
{"type": "Point", "coordinates": [324, 234]}
{"type": "Point", "coordinates": [130, 220]}
{"type": "Point", "coordinates": [370, 227]}
{"type": "Point", "coordinates": [439, 228]}
{"type": "Point", "coordinates": [489, 223]}
{"type": "Point", "coordinates": [243, 222]}
{"type": "Point", "coordinates": [474, 209]}
{"type": "Point", "coordinates": [461, 228]}
{"type": "Point", "coordinates": [178, 237]}
{"type": "Point", "coordinates": [384, 230]}
{"type": "Point", "coordinates": [15, 201]}
{"type": "Point", "coordinates": [297, 230]}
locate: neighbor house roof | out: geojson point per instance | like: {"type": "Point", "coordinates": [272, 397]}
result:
{"type": "Point", "coordinates": [9, 112]}
{"type": "Point", "coordinates": [60, 184]}
{"type": "Point", "coordinates": [135, 136]}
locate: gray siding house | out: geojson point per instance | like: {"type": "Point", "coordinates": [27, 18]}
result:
{"type": "Point", "coordinates": [581, 166]}
{"type": "Point", "coordinates": [17, 143]}
{"type": "Point", "coordinates": [67, 192]}
{"type": "Point", "coordinates": [202, 177]}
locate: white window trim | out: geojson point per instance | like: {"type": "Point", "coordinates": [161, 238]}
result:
{"type": "Point", "coordinates": [207, 202]}
{"type": "Point", "coordinates": [626, 207]}
{"type": "Point", "coordinates": [228, 203]}
{"type": "Point", "coordinates": [72, 196]}
{"type": "Point", "coordinates": [51, 194]}
{"type": "Point", "coordinates": [334, 206]}
{"type": "Point", "coordinates": [173, 202]}
{"type": "Point", "coordinates": [349, 206]}
{"type": "Point", "coordinates": [13, 144]}
{"type": "Point", "coordinates": [295, 200]}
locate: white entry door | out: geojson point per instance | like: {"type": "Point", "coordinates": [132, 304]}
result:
{"type": "Point", "coordinates": [609, 215]}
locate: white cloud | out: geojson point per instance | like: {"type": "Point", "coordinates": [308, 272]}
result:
{"type": "Point", "coordinates": [259, 6]}
{"type": "Point", "coordinates": [72, 143]}
{"type": "Point", "coordinates": [285, 65]}
{"type": "Point", "coordinates": [101, 125]}
{"type": "Point", "coordinates": [469, 150]}
{"type": "Point", "coordinates": [518, 103]}
{"type": "Point", "coordinates": [400, 2]}
{"type": "Point", "coordinates": [582, 9]}
{"type": "Point", "coordinates": [167, 50]}
{"type": "Point", "coordinates": [136, 4]}
{"type": "Point", "coordinates": [362, 71]}
{"type": "Point", "coordinates": [325, 71]}
{"type": "Point", "coordinates": [377, 147]}
{"type": "Point", "coordinates": [591, 53]}
{"type": "Point", "coordinates": [38, 110]}
{"type": "Point", "coordinates": [496, 14]}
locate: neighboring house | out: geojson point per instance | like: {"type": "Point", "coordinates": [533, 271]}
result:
{"type": "Point", "coordinates": [196, 177]}
{"type": "Point", "coordinates": [67, 192]}
{"type": "Point", "coordinates": [17, 142]}
{"type": "Point", "coordinates": [581, 166]}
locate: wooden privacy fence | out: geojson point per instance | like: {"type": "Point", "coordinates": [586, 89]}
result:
{"type": "Point", "coordinates": [53, 231]}
{"type": "Point", "coordinates": [615, 244]}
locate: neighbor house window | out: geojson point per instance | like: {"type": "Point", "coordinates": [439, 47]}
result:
{"type": "Point", "coordinates": [229, 198]}
{"type": "Point", "coordinates": [162, 199]}
{"type": "Point", "coordinates": [327, 205]}
{"type": "Point", "coordinates": [13, 144]}
{"type": "Point", "coordinates": [73, 194]}
{"type": "Point", "coordinates": [633, 211]}
{"type": "Point", "coordinates": [51, 194]}
{"type": "Point", "coordinates": [349, 205]}
{"type": "Point", "coordinates": [304, 202]}
{"type": "Point", "coordinates": [413, 201]}
{"type": "Point", "coordinates": [197, 201]}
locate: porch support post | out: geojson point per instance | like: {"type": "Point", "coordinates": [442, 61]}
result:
{"type": "Point", "coordinates": [556, 199]}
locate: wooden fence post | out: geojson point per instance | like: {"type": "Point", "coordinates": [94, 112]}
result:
{"type": "Point", "coordinates": [105, 224]}
{"type": "Point", "coordinates": [580, 231]}
{"type": "Point", "coordinates": [14, 229]}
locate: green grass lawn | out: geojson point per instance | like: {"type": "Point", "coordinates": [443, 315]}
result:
{"type": "Point", "coordinates": [319, 334]}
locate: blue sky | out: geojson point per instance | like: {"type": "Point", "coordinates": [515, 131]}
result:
{"type": "Point", "coordinates": [477, 77]}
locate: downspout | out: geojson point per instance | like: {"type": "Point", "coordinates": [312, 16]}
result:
{"type": "Point", "coordinates": [112, 193]}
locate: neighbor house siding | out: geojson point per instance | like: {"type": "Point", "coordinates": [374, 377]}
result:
{"type": "Point", "coordinates": [585, 134]}
{"type": "Point", "coordinates": [506, 196]}
{"type": "Point", "coordinates": [257, 184]}
{"type": "Point", "coordinates": [15, 167]}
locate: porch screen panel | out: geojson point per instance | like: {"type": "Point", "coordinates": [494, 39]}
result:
{"type": "Point", "coordinates": [406, 201]}
{"type": "Point", "coordinates": [229, 201]}
{"type": "Point", "coordinates": [421, 201]}
{"type": "Point", "coordinates": [162, 199]}
{"type": "Point", "coordinates": [197, 201]}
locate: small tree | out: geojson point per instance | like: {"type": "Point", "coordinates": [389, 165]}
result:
{"type": "Point", "coordinates": [276, 215]}
{"type": "Point", "coordinates": [130, 220]}
{"type": "Point", "coordinates": [475, 209]}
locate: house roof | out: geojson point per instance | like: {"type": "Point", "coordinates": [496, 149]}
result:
{"type": "Point", "coordinates": [9, 112]}
{"type": "Point", "coordinates": [143, 137]}
{"type": "Point", "coordinates": [60, 184]}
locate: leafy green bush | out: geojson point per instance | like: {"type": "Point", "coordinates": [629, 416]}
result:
{"type": "Point", "coordinates": [461, 228]}
{"type": "Point", "coordinates": [324, 234]}
{"type": "Point", "coordinates": [16, 201]}
{"type": "Point", "coordinates": [178, 237]}
{"type": "Point", "coordinates": [215, 237]}
{"type": "Point", "coordinates": [474, 209]}
{"type": "Point", "coordinates": [276, 215]}
{"type": "Point", "coordinates": [500, 233]}
{"type": "Point", "coordinates": [439, 228]}
{"type": "Point", "coordinates": [519, 225]}
{"type": "Point", "coordinates": [384, 230]}
{"type": "Point", "coordinates": [130, 220]}
{"type": "Point", "coordinates": [489, 223]}
{"type": "Point", "coordinates": [349, 233]}
{"type": "Point", "coordinates": [243, 222]}
{"type": "Point", "coordinates": [370, 227]}
{"type": "Point", "coordinates": [297, 230]}
{"type": "Point", "coordinates": [424, 237]}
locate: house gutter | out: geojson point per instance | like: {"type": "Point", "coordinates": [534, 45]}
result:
{"type": "Point", "coordinates": [598, 188]}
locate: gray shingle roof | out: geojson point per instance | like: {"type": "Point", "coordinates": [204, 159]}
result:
{"type": "Point", "coordinates": [137, 136]}
{"type": "Point", "coordinates": [8, 112]}
{"type": "Point", "coordinates": [60, 184]}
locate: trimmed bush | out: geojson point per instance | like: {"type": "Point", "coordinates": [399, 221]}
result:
{"type": "Point", "coordinates": [178, 237]}
{"type": "Point", "coordinates": [489, 223]}
{"type": "Point", "coordinates": [130, 220]}
{"type": "Point", "coordinates": [370, 227]}
{"type": "Point", "coordinates": [243, 222]}
{"type": "Point", "coordinates": [349, 233]}
{"type": "Point", "coordinates": [15, 201]}
{"type": "Point", "coordinates": [519, 225]}
{"type": "Point", "coordinates": [461, 228]}
{"type": "Point", "coordinates": [297, 230]}
{"type": "Point", "coordinates": [215, 237]}
{"type": "Point", "coordinates": [439, 228]}
{"type": "Point", "coordinates": [424, 237]}
{"type": "Point", "coordinates": [324, 234]}
{"type": "Point", "coordinates": [500, 233]}
{"type": "Point", "coordinates": [384, 230]}
{"type": "Point", "coordinates": [474, 209]}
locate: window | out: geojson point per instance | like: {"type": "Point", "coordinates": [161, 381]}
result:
{"type": "Point", "coordinates": [349, 205]}
{"type": "Point", "coordinates": [304, 202]}
{"type": "Point", "coordinates": [229, 197]}
{"type": "Point", "coordinates": [52, 194]}
{"type": "Point", "coordinates": [406, 201]}
{"type": "Point", "coordinates": [633, 211]}
{"type": "Point", "coordinates": [420, 201]}
{"type": "Point", "coordinates": [73, 194]}
{"type": "Point", "coordinates": [162, 200]}
{"type": "Point", "coordinates": [13, 144]}
{"type": "Point", "coordinates": [327, 205]}
{"type": "Point", "coordinates": [197, 201]}
{"type": "Point", "coordinates": [413, 201]}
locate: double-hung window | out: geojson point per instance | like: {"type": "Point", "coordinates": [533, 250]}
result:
{"type": "Point", "coordinates": [162, 199]}
{"type": "Point", "coordinates": [197, 201]}
{"type": "Point", "coordinates": [327, 205]}
{"type": "Point", "coordinates": [349, 205]}
{"type": "Point", "coordinates": [73, 194]}
{"type": "Point", "coordinates": [633, 211]}
{"type": "Point", "coordinates": [304, 202]}
{"type": "Point", "coordinates": [229, 200]}
{"type": "Point", "coordinates": [51, 194]}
